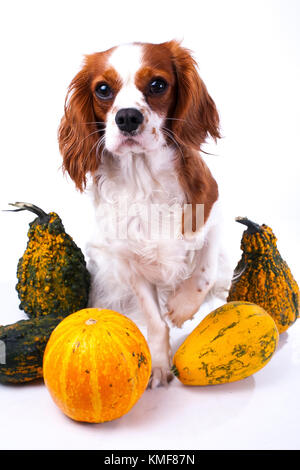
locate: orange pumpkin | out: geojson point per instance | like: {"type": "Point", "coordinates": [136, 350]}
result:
{"type": "Point", "coordinates": [96, 365]}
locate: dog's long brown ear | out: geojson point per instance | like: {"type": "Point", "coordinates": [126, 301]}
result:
{"type": "Point", "coordinates": [195, 115]}
{"type": "Point", "coordinates": [77, 135]}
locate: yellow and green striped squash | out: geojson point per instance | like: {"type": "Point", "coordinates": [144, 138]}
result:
{"type": "Point", "coordinates": [231, 343]}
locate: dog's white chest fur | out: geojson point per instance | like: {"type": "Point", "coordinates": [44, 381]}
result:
{"type": "Point", "coordinates": [133, 201]}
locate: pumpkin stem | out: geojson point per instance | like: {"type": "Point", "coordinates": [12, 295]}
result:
{"type": "Point", "coordinates": [252, 226]}
{"type": "Point", "coordinates": [90, 321]}
{"type": "Point", "coordinates": [23, 206]}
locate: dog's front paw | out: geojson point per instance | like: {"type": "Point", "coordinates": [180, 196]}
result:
{"type": "Point", "coordinates": [160, 376]}
{"type": "Point", "coordinates": [185, 302]}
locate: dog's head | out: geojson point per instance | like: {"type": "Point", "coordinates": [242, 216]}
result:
{"type": "Point", "coordinates": [134, 98]}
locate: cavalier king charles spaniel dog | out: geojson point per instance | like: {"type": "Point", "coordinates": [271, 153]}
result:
{"type": "Point", "coordinates": [135, 118]}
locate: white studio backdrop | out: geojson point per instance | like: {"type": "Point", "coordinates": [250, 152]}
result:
{"type": "Point", "coordinates": [248, 55]}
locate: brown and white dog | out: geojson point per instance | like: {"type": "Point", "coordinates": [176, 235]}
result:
{"type": "Point", "coordinates": [135, 118]}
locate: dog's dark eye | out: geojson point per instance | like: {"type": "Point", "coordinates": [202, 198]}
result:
{"type": "Point", "coordinates": [103, 91]}
{"type": "Point", "coordinates": [158, 85]}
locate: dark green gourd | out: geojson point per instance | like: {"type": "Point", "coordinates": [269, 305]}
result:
{"type": "Point", "coordinates": [22, 348]}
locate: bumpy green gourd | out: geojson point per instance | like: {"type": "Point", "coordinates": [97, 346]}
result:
{"type": "Point", "coordinates": [52, 274]}
{"type": "Point", "coordinates": [263, 277]}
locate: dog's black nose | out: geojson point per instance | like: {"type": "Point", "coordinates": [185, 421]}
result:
{"type": "Point", "coordinates": [129, 119]}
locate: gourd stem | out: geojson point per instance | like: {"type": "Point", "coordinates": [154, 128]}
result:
{"type": "Point", "coordinates": [174, 370]}
{"type": "Point", "coordinates": [252, 226]}
{"type": "Point", "coordinates": [23, 206]}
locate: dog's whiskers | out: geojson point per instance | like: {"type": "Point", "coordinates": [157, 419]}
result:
{"type": "Point", "coordinates": [86, 137]}
{"type": "Point", "coordinates": [172, 136]}
{"type": "Point", "coordinates": [95, 122]}
{"type": "Point", "coordinates": [176, 119]}
{"type": "Point", "coordinates": [97, 144]}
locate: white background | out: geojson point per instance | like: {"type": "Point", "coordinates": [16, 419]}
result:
{"type": "Point", "coordinates": [248, 55]}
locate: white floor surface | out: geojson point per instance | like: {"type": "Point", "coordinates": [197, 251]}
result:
{"type": "Point", "coordinates": [260, 412]}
